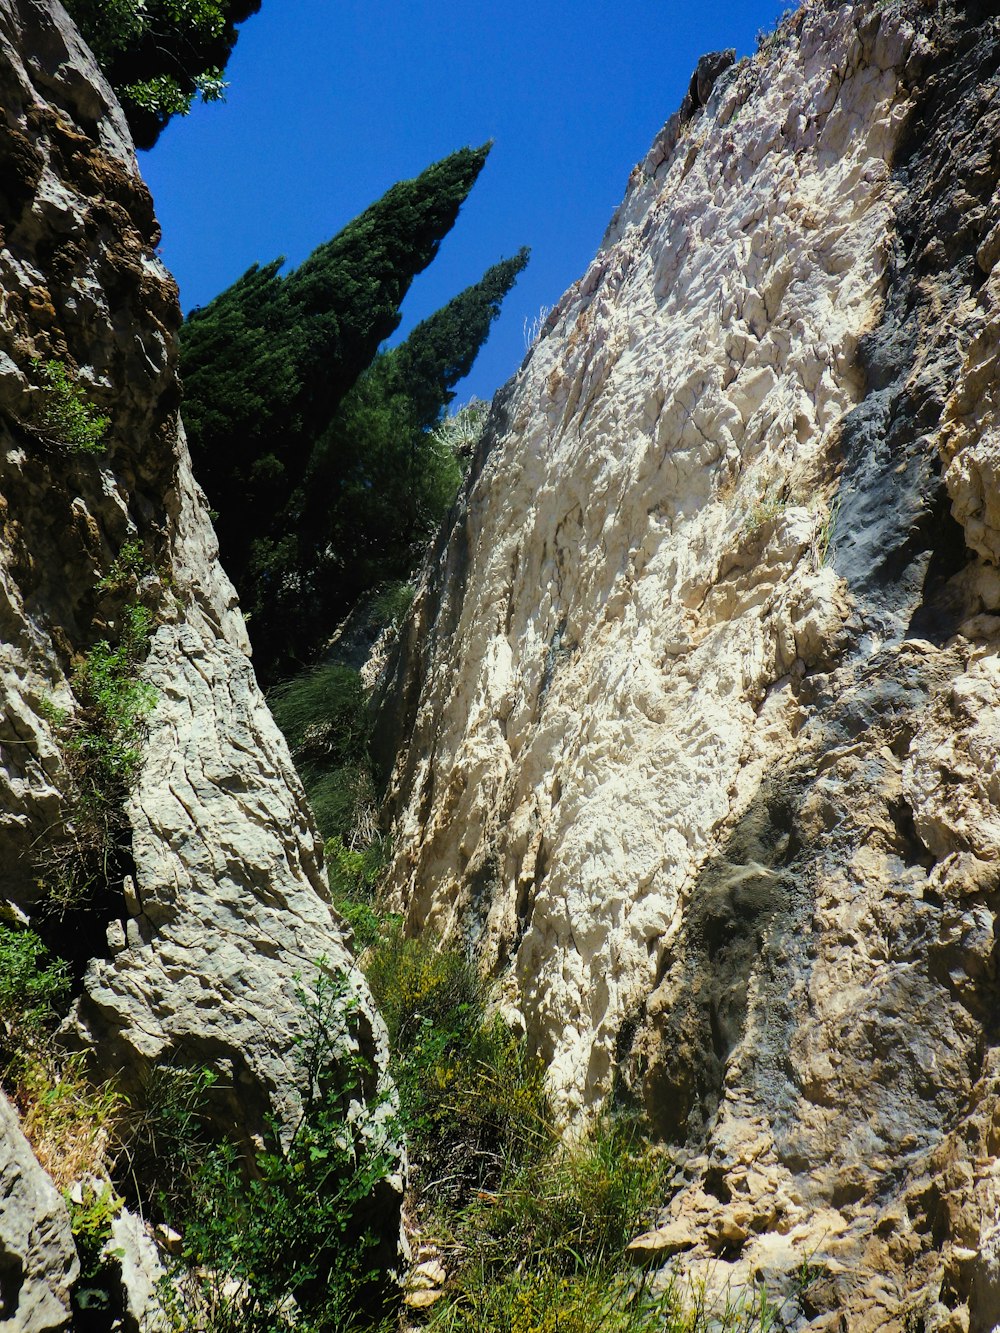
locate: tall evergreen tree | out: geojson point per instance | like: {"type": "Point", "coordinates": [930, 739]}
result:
{"type": "Point", "coordinates": [266, 364]}
{"type": "Point", "coordinates": [379, 481]}
{"type": "Point", "coordinates": [159, 54]}
{"type": "Point", "coordinates": [441, 350]}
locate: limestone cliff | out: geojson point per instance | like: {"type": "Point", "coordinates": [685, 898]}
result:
{"type": "Point", "coordinates": [699, 700]}
{"type": "Point", "coordinates": [215, 898]}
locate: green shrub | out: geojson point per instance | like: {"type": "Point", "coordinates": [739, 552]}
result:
{"type": "Point", "coordinates": [65, 416]}
{"type": "Point", "coordinates": [416, 983]}
{"type": "Point", "coordinates": [472, 1097]}
{"type": "Point", "coordinates": [168, 1133]}
{"type": "Point", "coordinates": [543, 1300]}
{"type": "Point", "coordinates": [33, 990]}
{"type": "Point", "coordinates": [114, 706]}
{"type": "Point", "coordinates": [288, 1245]}
{"type": "Point", "coordinates": [101, 745]}
{"type": "Point", "coordinates": [341, 798]}
{"type": "Point", "coordinates": [323, 714]}
{"type": "Point", "coordinates": [354, 877]}
{"type": "Point", "coordinates": [392, 602]}
{"type": "Point", "coordinates": [576, 1208]}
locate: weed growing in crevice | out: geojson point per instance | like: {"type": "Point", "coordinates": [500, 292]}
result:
{"type": "Point", "coordinates": [126, 570]}
{"type": "Point", "coordinates": [101, 744]}
{"type": "Point", "coordinates": [97, 1297]}
{"type": "Point", "coordinates": [768, 507]}
{"type": "Point", "coordinates": [64, 416]}
{"type": "Point", "coordinates": [824, 543]}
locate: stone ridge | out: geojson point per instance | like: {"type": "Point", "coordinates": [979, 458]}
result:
{"type": "Point", "coordinates": [38, 1262]}
{"type": "Point", "coordinates": [699, 700]}
{"type": "Point", "coordinates": [218, 903]}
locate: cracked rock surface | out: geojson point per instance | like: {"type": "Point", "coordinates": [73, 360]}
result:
{"type": "Point", "coordinates": [38, 1263]}
{"type": "Point", "coordinates": [217, 902]}
{"type": "Point", "coordinates": [698, 702]}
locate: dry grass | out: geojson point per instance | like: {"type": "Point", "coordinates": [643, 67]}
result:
{"type": "Point", "coordinates": [72, 1125]}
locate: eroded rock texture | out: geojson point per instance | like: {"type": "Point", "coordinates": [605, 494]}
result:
{"type": "Point", "coordinates": [38, 1262]}
{"type": "Point", "coordinates": [701, 696]}
{"type": "Point", "coordinates": [216, 898]}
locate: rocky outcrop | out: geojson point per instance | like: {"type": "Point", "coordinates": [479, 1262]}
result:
{"type": "Point", "coordinates": [215, 902]}
{"type": "Point", "coordinates": [38, 1263]}
{"type": "Point", "coordinates": [699, 698]}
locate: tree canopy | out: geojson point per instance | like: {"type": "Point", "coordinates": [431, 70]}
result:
{"type": "Point", "coordinates": [380, 478]}
{"type": "Point", "coordinates": [158, 55]}
{"type": "Point", "coordinates": [266, 364]}
{"type": "Point", "coordinates": [316, 459]}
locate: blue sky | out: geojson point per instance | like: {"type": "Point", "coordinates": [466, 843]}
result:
{"type": "Point", "coordinates": [332, 101]}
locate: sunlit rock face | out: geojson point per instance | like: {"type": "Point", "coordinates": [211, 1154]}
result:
{"type": "Point", "coordinates": [38, 1261]}
{"type": "Point", "coordinates": [699, 703]}
{"type": "Point", "coordinates": [217, 903]}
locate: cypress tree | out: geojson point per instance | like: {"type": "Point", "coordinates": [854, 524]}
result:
{"type": "Point", "coordinates": [266, 364]}
{"type": "Point", "coordinates": [441, 351]}
{"type": "Point", "coordinates": [379, 482]}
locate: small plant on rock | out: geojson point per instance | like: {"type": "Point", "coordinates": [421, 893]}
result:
{"type": "Point", "coordinates": [33, 991]}
{"type": "Point", "coordinates": [288, 1244]}
{"type": "Point", "coordinates": [65, 416]}
{"type": "Point", "coordinates": [101, 743]}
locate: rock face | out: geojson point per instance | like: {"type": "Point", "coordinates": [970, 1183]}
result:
{"type": "Point", "coordinates": [217, 900]}
{"type": "Point", "coordinates": [38, 1262]}
{"type": "Point", "coordinates": [699, 702]}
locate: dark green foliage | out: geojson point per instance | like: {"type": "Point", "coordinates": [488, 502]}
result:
{"type": "Point", "coordinates": [159, 54]}
{"type": "Point", "coordinates": [380, 480]}
{"type": "Point", "coordinates": [441, 350]}
{"type": "Point", "coordinates": [33, 990]}
{"type": "Point", "coordinates": [327, 481]}
{"type": "Point", "coordinates": [296, 1228]}
{"type": "Point", "coordinates": [267, 363]}
{"type": "Point", "coordinates": [472, 1095]}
